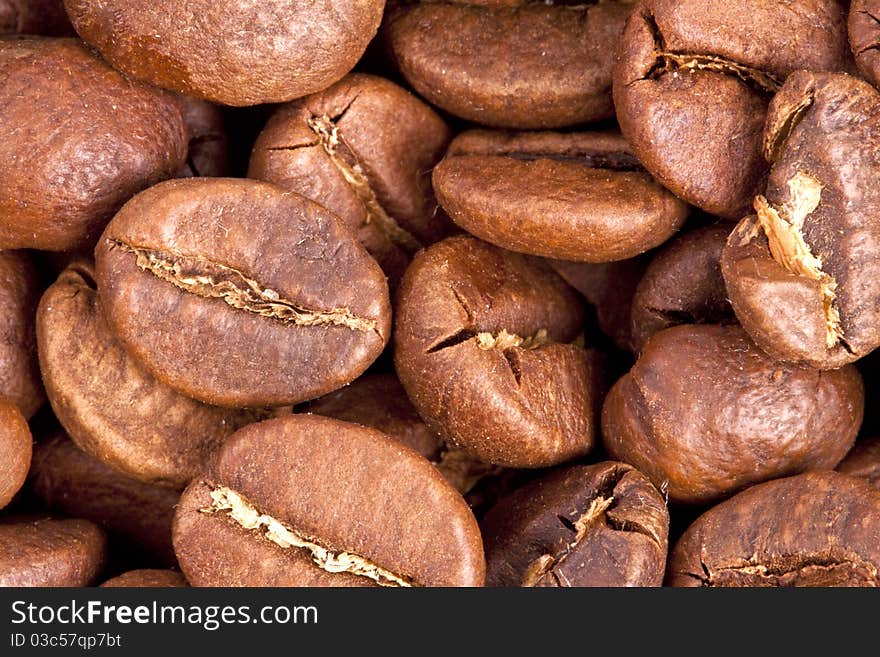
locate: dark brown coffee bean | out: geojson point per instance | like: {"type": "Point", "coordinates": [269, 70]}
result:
{"type": "Point", "coordinates": [610, 288]}
{"type": "Point", "coordinates": [585, 525]}
{"type": "Point", "coordinates": [683, 285]}
{"type": "Point", "coordinates": [575, 196]}
{"type": "Point", "coordinates": [45, 17]}
{"type": "Point", "coordinates": [510, 63]}
{"type": "Point", "coordinates": [364, 149]}
{"type": "Point", "coordinates": [136, 515]}
{"type": "Point", "coordinates": [164, 438]}
{"type": "Point", "coordinates": [483, 346]}
{"type": "Point", "coordinates": [310, 501]}
{"type": "Point", "coordinates": [208, 153]}
{"type": "Point", "coordinates": [379, 401]}
{"type": "Point", "coordinates": [704, 413]}
{"type": "Point", "coordinates": [815, 529]}
{"type": "Point", "coordinates": [79, 140]}
{"type": "Point", "coordinates": [863, 461]}
{"type": "Point", "coordinates": [693, 80]}
{"type": "Point", "coordinates": [234, 52]}
{"type": "Point", "coordinates": [802, 276]}
{"type": "Point", "coordinates": [15, 451]}
{"type": "Point", "coordinates": [237, 293]}
{"type": "Point", "coordinates": [146, 579]}
{"type": "Point", "coordinates": [864, 37]}
{"type": "Point", "coordinates": [49, 552]}
{"type": "Point", "coordinates": [19, 371]}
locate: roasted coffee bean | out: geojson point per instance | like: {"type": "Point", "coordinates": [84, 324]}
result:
{"type": "Point", "coordinates": [693, 80]}
{"type": "Point", "coordinates": [79, 140]}
{"type": "Point", "coordinates": [164, 438]}
{"type": "Point", "coordinates": [237, 293]}
{"type": "Point", "coordinates": [584, 525]}
{"type": "Point", "coordinates": [364, 149]}
{"type": "Point", "coordinates": [45, 17]}
{"type": "Point", "coordinates": [311, 501]}
{"type": "Point", "coordinates": [15, 451]}
{"type": "Point", "coordinates": [50, 552]}
{"type": "Point", "coordinates": [146, 579]}
{"type": "Point", "coordinates": [575, 196]}
{"type": "Point", "coordinates": [379, 401]}
{"type": "Point", "coordinates": [234, 52]}
{"type": "Point", "coordinates": [815, 529]}
{"type": "Point", "coordinates": [208, 153]}
{"type": "Point", "coordinates": [19, 293]}
{"type": "Point", "coordinates": [863, 461]}
{"type": "Point", "coordinates": [803, 276]}
{"type": "Point", "coordinates": [136, 515]}
{"type": "Point", "coordinates": [864, 37]}
{"type": "Point", "coordinates": [510, 63]}
{"type": "Point", "coordinates": [683, 285]}
{"type": "Point", "coordinates": [483, 346]}
{"type": "Point", "coordinates": [704, 413]}
{"type": "Point", "coordinates": [610, 288]}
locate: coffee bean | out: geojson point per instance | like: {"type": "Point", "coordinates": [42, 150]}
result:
{"type": "Point", "coordinates": [79, 140]}
{"type": "Point", "coordinates": [146, 579]}
{"type": "Point", "coordinates": [510, 63]}
{"type": "Point", "coordinates": [364, 149]}
{"type": "Point", "coordinates": [683, 285]}
{"type": "Point", "coordinates": [863, 461]}
{"type": "Point", "coordinates": [164, 438]}
{"type": "Point", "coordinates": [237, 293]}
{"type": "Point", "coordinates": [704, 413]}
{"type": "Point", "coordinates": [15, 451]}
{"type": "Point", "coordinates": [483, 346]}
{"type": "Point", "coordinates": [45, 17]}
{"type": "Point", "coordinates": [610, 288]}
{"type": "Point", "coordinates": [575, 196]}
{"type": "Point", "coordinates": [310, 501]}
{"type": "Point", "coordinates": [802, 276]}
{"type": "Point", "coordinates": [379, 401]}
{"type": "Point", "coordinates": [815, 529]}
{"type": "Point", "coordinates": [864, 37]}
{"type": "Point", "coordinates": [136, 515]}
{"type": "Point", "coordinates": [50, 552]}
{"type": "Point", "coordinates": [233, 52]}
{"type": "Point", "coordinates": [19, 372]}
{"type": "Point", "coordinates": [693, 80]}
{"type": "Point", "coordinates": [584, 525]}
{"type": "Point", "coordinates": [208, 153]}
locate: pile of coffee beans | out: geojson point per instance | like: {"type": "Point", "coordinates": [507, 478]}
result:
{"type": "Point", "coordinates": [440, 293]}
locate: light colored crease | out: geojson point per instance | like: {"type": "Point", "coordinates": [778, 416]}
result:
{"type": "Point", "coordinates": [245, 514]}
{"type": "Point", "coordinates": [547, 562]}
{"type": "Point", "coordinates": [784, 230]}
{"type": "Point", "coordinates": [504, 340]}
{"type": "Point", "coordinates": [328, 131]}
{"type": "Point", "coordinates": [212, 280]}
{"type": "Point", "coordinates": [695, 62]}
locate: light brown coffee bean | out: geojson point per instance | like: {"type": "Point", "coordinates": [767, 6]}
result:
{"type": "Point", "coordinates": [153, 579]}
{"type": "Point", "coordinates": [19, 371]}
{"type": "Point", "coordinates": [364, 149]}
{"type": "Point", "coordinates": [237, 293]}
{"type": "Point", "coordinates": [311, 501]}
{"type": "Point", "coordinates": [484, 345]}
{"type": "Point", "coordinates": [705, 413]}
{"type": "Point", "coordinates": [80, 139]}
{"type": "Point", "coordinates": [50, 552]}
{"type": "Point", "coordinates": [815, 529]}
{"type": "Point", "coordinates": [574, 196]}
{"type": "Point", "coordinates": [15, 451]}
